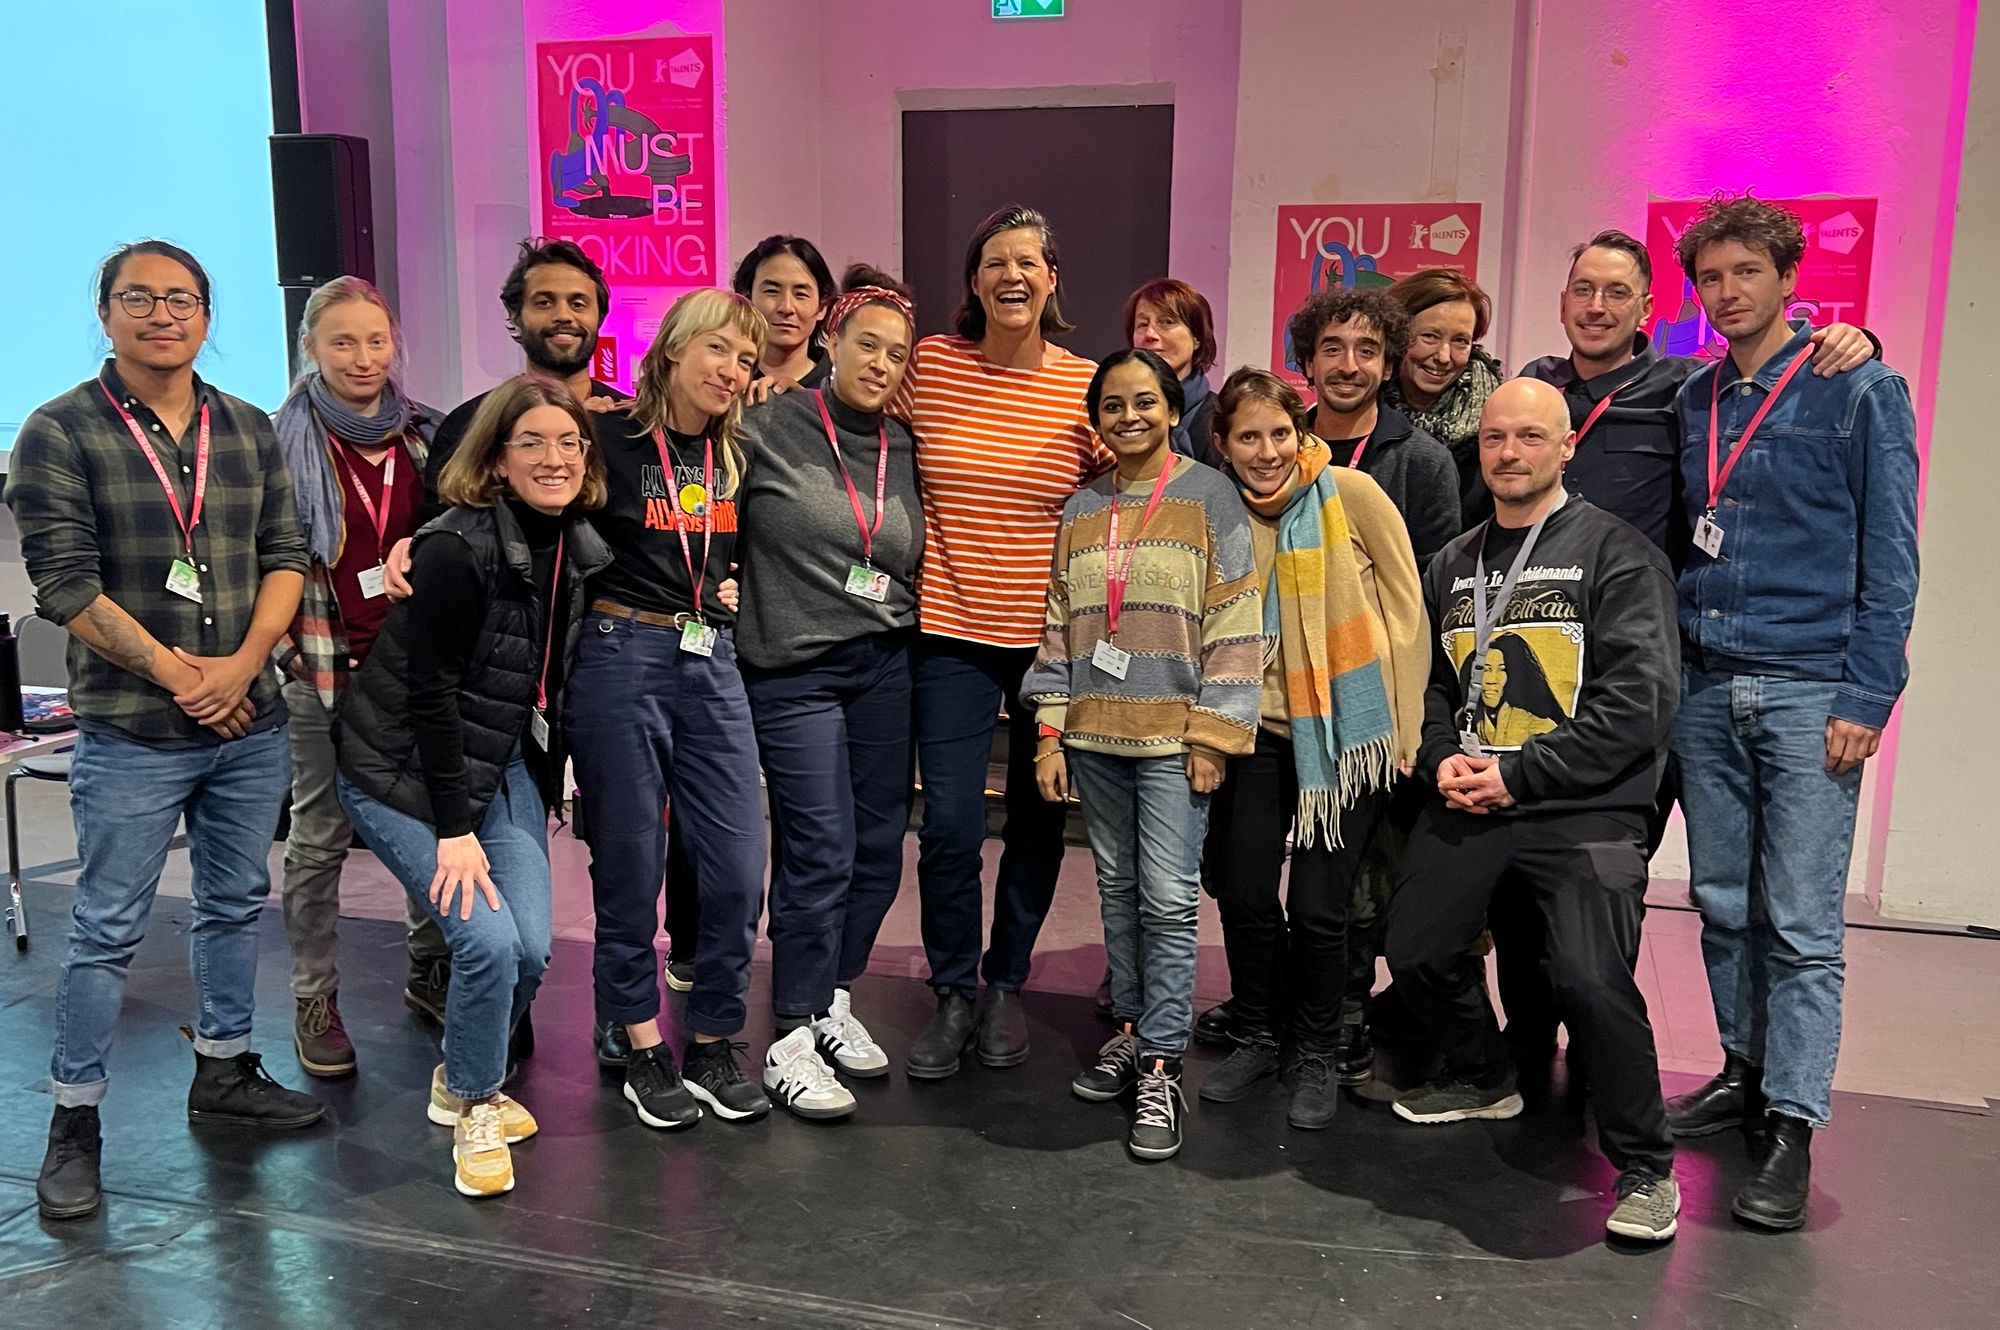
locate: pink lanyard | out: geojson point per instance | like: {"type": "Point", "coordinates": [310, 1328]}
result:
{"type": "Point", "coordinates": [379, 520]}
{"type": "Point", "coordinates": [1597, 411]}
{"type": "Point", "coordinates": [1718, 478]}
{"type": "Point", "coordinates": [868, 533]}
{"type": "Point", "coordinates": [1354, 462]}
{"type": "Point", "coordinates": [1116, 576]}
{"type": "Point", "coordinates": [188, 523]}
{"type": "Point", "coordinates": [549, 638]}
{"type": "Point", "coordinates": [707, 509]}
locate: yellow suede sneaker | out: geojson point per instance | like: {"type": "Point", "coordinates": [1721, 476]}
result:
{"type": "Point", "coordinates": [481, 1163]}
{"type": "Point", "coordinates": [518, 1122]}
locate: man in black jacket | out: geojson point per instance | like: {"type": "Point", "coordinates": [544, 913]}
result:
{"type": "Point", "coordinates": [1553, 690]}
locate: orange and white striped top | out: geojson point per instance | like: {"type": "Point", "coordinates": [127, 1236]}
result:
{"type": "Point", "coordinates": [998, 450]}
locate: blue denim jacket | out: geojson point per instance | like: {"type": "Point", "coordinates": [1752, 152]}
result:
{"type": "Point", "coordinates": [1817, 577]}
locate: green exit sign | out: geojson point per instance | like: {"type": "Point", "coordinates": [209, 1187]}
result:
{"type": "Point", "coordinates": [1027, 8]}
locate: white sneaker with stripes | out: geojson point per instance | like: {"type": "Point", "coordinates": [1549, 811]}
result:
{"type": "Point", "coordinates": [795, 1076]}
{"type": "Point", "coordinates": [844, 1039]}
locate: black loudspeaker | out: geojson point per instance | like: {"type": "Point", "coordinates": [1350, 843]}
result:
{"type": "Point", "coordinates": [326, 217]}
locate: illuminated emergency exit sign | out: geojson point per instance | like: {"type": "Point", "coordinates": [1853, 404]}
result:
{"type": "Point", "coordinates": [1027, 8]}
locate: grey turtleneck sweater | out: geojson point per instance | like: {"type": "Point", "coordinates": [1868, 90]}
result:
{"type": "Point", "coordinates": [799, 535]}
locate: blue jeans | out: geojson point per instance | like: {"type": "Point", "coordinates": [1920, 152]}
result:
{"type": "Point", "coordinates": [497, 956]}
{"type": "Point", "coordinates": [1770, 832]}
{"type": "Point", "coordinates": [649, 723]}
{"type": "Point", "coordinates": [960, 687]}
{"type": "Point", "coordinates": [126, 799]}
{"type": "Point", "coordinates": [1146, 827]}
{"type": "Point", "coordinates": [834, 734]}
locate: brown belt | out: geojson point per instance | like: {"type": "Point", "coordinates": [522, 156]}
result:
{"type": "Point", "coordinates": [617, 611]}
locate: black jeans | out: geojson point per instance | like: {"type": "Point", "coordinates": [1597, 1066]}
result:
{"type": "Point", "coordinates": [1287, 962]}
{"type": "Point", "coordinates": [959, 689]}
{"type": "Point", "coordinates": [1586, 874]}
{"type": "Point", "coordinates": [1521, 947]}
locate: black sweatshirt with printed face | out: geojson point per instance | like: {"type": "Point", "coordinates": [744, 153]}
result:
{"type": "Point", "coordinates": [1582, 673]}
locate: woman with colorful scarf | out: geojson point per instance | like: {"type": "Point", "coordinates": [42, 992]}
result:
{"type": "Point", "coordinates": [1445, 376]}
{"type": "Point", "coordinates": [356, 449]}
{"type": "Point", "coordinates": [1345, 662]}
{"type": "Point", "coordinates": [1144, 689]}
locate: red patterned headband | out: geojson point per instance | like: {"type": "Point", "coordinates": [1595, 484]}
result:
{"type": "Point", "coordinates": [850, 301]}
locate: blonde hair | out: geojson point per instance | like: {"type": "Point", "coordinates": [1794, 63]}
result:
{"type": "Point", "coordinates": [694, 314]}
{"type": "Point", "coordinates": [471, 478]}
{"type": "Point", "coordinates": [338, 292]}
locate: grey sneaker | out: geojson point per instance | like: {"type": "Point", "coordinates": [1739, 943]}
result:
{"type": "Point", "coordinates": [1649, 1207]}
{"type": "Point", "coordinates": [1455, 1100]}
{"type": "Point", "coordinates": [1115, 1071]}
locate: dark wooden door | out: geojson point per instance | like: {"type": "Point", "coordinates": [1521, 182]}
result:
{"type": "Point", "coordinates": [1103, 175]}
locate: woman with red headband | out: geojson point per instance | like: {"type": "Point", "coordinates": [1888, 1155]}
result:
{"type": "Point", "coordinates": [833, 531]}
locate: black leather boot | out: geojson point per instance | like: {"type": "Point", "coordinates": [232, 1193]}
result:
{"type": "Point", "coordinates": [1733, 1098]}
{"type": "Point", "coordinates": [1775, 1195]}
{"type": "Point", "coordinates": [1003, 1028]}
{"type": "Point", "coordinates": [935, 1053]}
{"type": "Point", "coordinates": [239, 1090]}
{"type": "Point", "coordinates": [68, 1186]}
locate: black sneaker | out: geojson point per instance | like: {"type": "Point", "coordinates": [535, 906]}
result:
{"type": "Point", "coordinates": [238, 1090]}
{"type": "Point", "coordinates": [1455, 1100]}
{"type": "Point", "coordinates": [1315, 1092]}
{"type": "Point", "coordinates": [428, 984]}
{"type": "Point", "coordinates": [1156, 1125]}
{"type": "Point", "coordinates": [614, 1046]}
{"type": "Point", "coordinates": [1216, 1027]}
{"type": "Point", "coordinates": [1250, 1062]}
{"type": "Point", "coordinates": [715, 1077]}
{"type": "Point", "coordinates": [680, 975]}
{"type": "Point", "coordinates": [653, 1085]}
{"type": "Point", "coordinates": [1354, 1056]}
{"type": "Point", "coordinates": [1115, 1071]}
{"type": "Point", "coordinates": [68, 1187]}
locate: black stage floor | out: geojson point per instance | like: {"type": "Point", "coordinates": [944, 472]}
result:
{"type": "Point", "coordinates": [992, 1199]}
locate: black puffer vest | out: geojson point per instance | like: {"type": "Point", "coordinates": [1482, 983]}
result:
{"type": "Point", "coordinates": [377, 746]}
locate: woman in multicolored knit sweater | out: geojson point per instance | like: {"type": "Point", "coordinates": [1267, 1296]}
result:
{"type": "Point", "coordinates": [1145, 684]}
{"type": "Point", "coordinates": [1345, 665]}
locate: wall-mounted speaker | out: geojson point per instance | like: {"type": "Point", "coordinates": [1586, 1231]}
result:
{"type": "Point", "coordinates": [325, 214]}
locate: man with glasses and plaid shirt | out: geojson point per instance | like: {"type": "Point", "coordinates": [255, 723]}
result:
{"type": "Point", "coordinates": [158, 527]}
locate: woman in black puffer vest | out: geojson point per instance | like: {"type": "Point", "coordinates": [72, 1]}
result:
{"type": "Point", "coordinates": [450, 758]}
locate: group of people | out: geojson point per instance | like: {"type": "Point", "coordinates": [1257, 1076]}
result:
{"type": "Point", "coordinates": [1449, 644]}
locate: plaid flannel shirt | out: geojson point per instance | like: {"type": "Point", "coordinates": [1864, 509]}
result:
{"type": "Point", "coordinates": [93, 521]}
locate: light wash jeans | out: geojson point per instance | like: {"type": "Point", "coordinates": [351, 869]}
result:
{"type": "Point", "coordinates": [1770, 832]}
{"type": "Point", "coordinates": [1146, 828]}
{"type": "Point", "coordinates": [497, 956]}
{"type": "Point", "coordinates": [126, 799]}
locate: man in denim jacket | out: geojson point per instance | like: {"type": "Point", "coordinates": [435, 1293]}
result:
{"type": "Point", "coordinates": [1795, 605]}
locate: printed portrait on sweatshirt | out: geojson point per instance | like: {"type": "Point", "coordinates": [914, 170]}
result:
{"type": "Point", "coordinates": [1530, 682]}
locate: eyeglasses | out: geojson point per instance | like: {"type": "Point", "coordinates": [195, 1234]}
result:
{"type": "Point", "coordinates": [140, 304]}
{"type": "Point", "coordinates": [533, 447]}
{"type": "Point", "coordinates": [1615, 297]}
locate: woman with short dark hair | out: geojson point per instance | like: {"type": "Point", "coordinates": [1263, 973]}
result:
{"type": "Point", "coordinates": [451, 757]}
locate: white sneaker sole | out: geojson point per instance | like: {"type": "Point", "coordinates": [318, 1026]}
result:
{"type": "Point", "coordinates": [1510, 1107]}
{"type": "Point", "coordinates": [1152, 1153]}
{"type": "Point", "coordinates": [652, 1121]}
{"type": "Point", "coordinates": [1640, 1232]}
{"type": "Point", "coordinates": [474, 1192]}
{"type": "Point", "coordinates": [722, 1110]}
{"type": "Point", "coordinates": [865, 1071]}
{"type": "Point", "coordinates": [815, 1113]}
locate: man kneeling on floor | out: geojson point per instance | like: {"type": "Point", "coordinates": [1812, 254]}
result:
{"type": "Point", "coordinates": [1552, 694]}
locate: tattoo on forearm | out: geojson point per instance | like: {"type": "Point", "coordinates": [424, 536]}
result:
{"type": "Point", "coordinates": [121, 641]}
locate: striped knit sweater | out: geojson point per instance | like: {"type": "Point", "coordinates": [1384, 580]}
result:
{"type": "Point", "coordinates": [1192, 619]}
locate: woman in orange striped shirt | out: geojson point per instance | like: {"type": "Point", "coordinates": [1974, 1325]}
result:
{"type": "Point", "coordinates": [1002, 440]}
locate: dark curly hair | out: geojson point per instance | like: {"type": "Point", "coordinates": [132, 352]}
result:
{"type": "Point", "coordinates": [537, 251]}
{"type": "Point", "coordinates": [1340, 305]}
{"type": "Point", "coordinates": [1752, 223]}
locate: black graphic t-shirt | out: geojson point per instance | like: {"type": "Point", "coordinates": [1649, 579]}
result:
{"type": "Point", "coordinates": [1582, 673]}
{"type": "Point", "coordinates": [646, 513]}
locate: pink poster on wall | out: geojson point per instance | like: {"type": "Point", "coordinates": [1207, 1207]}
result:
{"type": "Point", "coordinates": [626, 133]}
{"type": "Point", "coordinates": [1833, 276]}
{"type": "Point", "coordinates": [1321, 245]}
